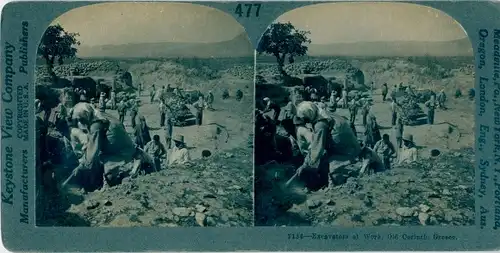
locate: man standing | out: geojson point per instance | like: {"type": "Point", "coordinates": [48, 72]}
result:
{"type": "Point", "coordinates": [163, 110]}
{"type": "Point", "coordinates": [394, 109]}
{"type": "Point", "coordinates": [353, 109]}
{"type": "Point", "coordinates": [210, 100]}
{"type": "Point", "coordinates": [133, 111]}
{"type": "Point", "coordinates": [113, 99]}
{"type": "Point", "coordinates": [199, 106]}
{"type": "Point", "coordinates": [163, 93]}
{"type": "Point", "coordinates": [399, 128]}
{"type": "Point", "coordinates": [344, 98]}
{"type": "Point", "coordinates": [431, 107]}
{"type": "Point", "coordinates": [385, 91]}
{"type": "Point", "coordinates": [122, 109]}
{"type": "Point", "coordinates": [441, 98]}
{"type": "Point", "coordinates": [102, 102]}
{"type": "Point", "coordinates": [169, 125]}
{"type": "Point", "coordinates": [141, 133]}
{"type": "Point", "coordinates": [333, 97]}
{"type": "Point", "coordinates": [394, 92]}
{"type": "Point", "coordinates": [365, 111]}
{"type": "Point", "coordinates": [372, 132]}
{"type": "Point", "coordinates": [152, 93]}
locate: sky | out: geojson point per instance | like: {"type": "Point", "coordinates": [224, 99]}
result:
{"type": "Point", "coordinates": [382, 21]}
{"type": "Point", "coordinates": [124, 23]}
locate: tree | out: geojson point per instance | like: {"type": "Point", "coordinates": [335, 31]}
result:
{"type": "Point", "coordinates": [57, 44]}
{"type": "Point", "coordinates": [283, 40]}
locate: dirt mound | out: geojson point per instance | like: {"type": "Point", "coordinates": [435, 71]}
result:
{"type": "Point", "coordinates": [82, 68]}
{"type": "Point", "coordinates": [245, 72]}
{"type": "Point", "coordinates": [162, 73]}
{"type": "Point", "coordinates": [433, 191]}
{"type": "Point", "coordinates": [310, 67]}
{"type": "Point", "coordinates": [216, 192]}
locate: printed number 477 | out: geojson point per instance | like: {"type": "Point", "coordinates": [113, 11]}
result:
{"type": "Point", "coordinates": [239, 9]}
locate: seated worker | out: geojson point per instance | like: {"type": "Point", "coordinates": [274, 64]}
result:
{"type": "Point", "coordinates": [180, 153]}
{"type": "Point", "coordinates": [156, 150]}
{"type": "Point", "coordinates": [371, 161]}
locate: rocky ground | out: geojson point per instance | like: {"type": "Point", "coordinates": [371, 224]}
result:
{"type": "Point", "coordinates": [434, 191]}
{"type": "Point", "coordinates": [215, 191]}
{"type": "Point", "coordinates": [211, 192]}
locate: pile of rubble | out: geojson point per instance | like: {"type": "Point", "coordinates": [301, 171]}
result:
{"type": "Point", "coordinates": [410, 111]}
{"type": "Point", "coordinates": [432, 191]}
{"type": "Point", "coordinates": [213, 192]}
{"type": "Point", "coordinates": [179, 109]}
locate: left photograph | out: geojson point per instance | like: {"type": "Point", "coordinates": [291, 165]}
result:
{"type": "Point", "coordinates": [144, 118]}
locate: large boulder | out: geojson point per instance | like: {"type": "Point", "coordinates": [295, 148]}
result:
{"type": "Point", "coordinates": [357, 77]}
{"type": "Point", "coordinates": [126, 78]}
{"type": "Point", "coordinates": [319, 82]}
{"type": "Point", "coordinates": [291, 81]}
{"type": "Point", "coordinates": [85, 82]}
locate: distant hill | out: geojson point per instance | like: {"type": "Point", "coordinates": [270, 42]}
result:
{"type": "Point", "coordinates": [461, 47]}
{"type": "Point", "coordinates": [238, 47]}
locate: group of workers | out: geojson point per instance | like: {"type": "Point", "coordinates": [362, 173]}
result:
{"type": "Point", "coordinates": [327, 141]}
{"type": "Point", "coordinates": [96, 137]}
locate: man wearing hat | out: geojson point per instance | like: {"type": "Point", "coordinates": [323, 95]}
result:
{"type": "Point", "coordinates": [441, 98]}
{"type": "Point", "coordinates": [365, 111]}
{"type": "Point", "coordinates": [113, 99]}
{"type": "Point", "coordinates": [152, 93]}
{"type": "Point", "coordinates": [344, 98]}
{"type": "Point", "coordinates": [122, 109]}
{"type": "Point", "coordinates": [134, 104]}
{"type": "Point", "coordinates": [353, 109]}
{"type": "Point", "coordinates": [102, 102]}
{"type": "Point", "coordinates": [394, 110]}
{"type": "Point", "coordinates": [398, 132]}
{"type": "Point", "coordinates": [409, 151]}
{"type": "Point", "coordinates": [210, 100]}
{"type": "Point", "coordinates": [385, 91]}
{"type": "Point", "coordinates": [180, 153]}
{"type": "Point", "coordinates": [431, 107]}
{"type": "Point", "coordinates": [270, 105]}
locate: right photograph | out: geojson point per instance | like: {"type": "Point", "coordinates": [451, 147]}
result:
{"type": "Point", "coordinates": [364, 117]}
